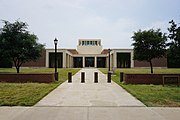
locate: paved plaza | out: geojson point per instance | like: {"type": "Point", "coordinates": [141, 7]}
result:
{"type": "Point", "coordinates": [89, 93]}
{"type": "Point", "coordinates": [89, 101]}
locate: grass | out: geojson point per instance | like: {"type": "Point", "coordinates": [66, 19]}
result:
{"type": "Point", "coordinates": [151, 95]}
{"type": "Point", "coordinates": [28, 94]}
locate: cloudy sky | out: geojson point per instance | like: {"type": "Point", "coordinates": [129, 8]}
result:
{"type": "Point", "coordinates": [113, 21]}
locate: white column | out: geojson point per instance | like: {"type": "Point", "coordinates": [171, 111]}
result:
{"type": "Point", "coordinates": [64, 59]}
{"type": "Point", "coordinates": [47, 59]}
{"type": "Point", "coordinates": [115, 59]}
{"type": "Point", "coordinates": [107, 61]}
{"type": "Point", "coordinates": [83, 61]}
{"type": "Point", "coordinates": [132, 61]}
{"type": "Point", "coordinates": [71, 61]}
{"type": "Point", "coordinates": [70, 65]}
{"type": "Point", "coordinates": [95, 61]}
{"type": "Point", "coordinates": [68, 61]}
{"type": "Point", "coordinates": [111, 61]}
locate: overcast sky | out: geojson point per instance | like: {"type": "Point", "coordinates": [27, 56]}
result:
{"type": "Point", "coordinates": [113, 21]}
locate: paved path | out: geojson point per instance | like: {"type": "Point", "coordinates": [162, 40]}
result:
{"type": "Point", "coordinates": [88, 113]}
{"type": "Point", "coordinates": [89, 101]}
{"type": "Point", "coordinates": [89, 93]}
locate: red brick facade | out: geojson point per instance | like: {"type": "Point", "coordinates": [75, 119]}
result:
{"type": "Point", "coordinates": [158, 62]}
{"type": "Point", "coordinates": [147, 78]}
{"type": "Point", "coordinates": [41, 62]}
{"type": "Point", "coordinates": [23, 78]}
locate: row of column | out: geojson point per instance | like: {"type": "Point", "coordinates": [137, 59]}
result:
{"type": "Point", "coordinates": [95, 61]}
{"type": "Point", "coordinates": [69, 61]}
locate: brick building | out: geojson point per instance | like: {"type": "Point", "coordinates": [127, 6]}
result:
{"type": "Point", "coordinates": [90, 53]}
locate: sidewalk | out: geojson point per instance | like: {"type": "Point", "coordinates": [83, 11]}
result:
{"type": "Point", "coordinates": [89, 93]}
{"type": "Point", "coordinates": [89, 101]}
{"type": "Point", "coordinates": [88, 113]}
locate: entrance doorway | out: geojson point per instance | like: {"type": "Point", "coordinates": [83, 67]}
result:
{"type": "Point", "coordinates": [123, 60]}
{"type": "Point", "coordinates": [101, 62]}
{"type": "Point", "coordinates": [78, 62]}
{"type": "Point", "coordinates": [89, 61]}
{"type": "Point", "coordinates": [52, 60]}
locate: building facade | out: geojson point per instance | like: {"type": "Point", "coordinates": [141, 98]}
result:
{"type": "Point", "coordinates": [90, 53]}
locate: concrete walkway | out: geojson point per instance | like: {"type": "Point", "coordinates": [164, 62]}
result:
{"type": "Point", "coordinates": [88, 113]}
{"type": "Point", "coordinates": [89, 93]}
{"type": "Point", "coordinates": [89, 101]}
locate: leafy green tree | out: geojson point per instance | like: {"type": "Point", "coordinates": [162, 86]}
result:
{"type": "Point", "coordinates": [4, 61]}
{"type": "Point", "coordinates": [174, 45]}
{"type": "Point", "coordinates": [149, 45]}
{"type": "Point", "coordinates": [18, 44]}
{"type": "Point", "coordinates": [1, 46]}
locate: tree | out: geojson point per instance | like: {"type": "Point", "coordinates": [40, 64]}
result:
{"type": "Point", "coordinates": [149, 45]}
{"type": "Point", "coordinates": [18, 44]}
{"type": "Point", "coordinates": [174, 45]}
{"type": "Point", "coordinates": [4, 61]}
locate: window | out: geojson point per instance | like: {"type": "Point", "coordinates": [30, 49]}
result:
{"type": "Point", "coordinates": [91, 43]}
{"type": "Point", "coordinates": [96, 43]}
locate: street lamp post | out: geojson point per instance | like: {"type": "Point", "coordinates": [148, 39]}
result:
{"type": "Point", "coordinates": [55, 62]}
{"type": "Point", "coordinates": [109, 72]}
{"type": "Point", "coordinates": [109, 50]}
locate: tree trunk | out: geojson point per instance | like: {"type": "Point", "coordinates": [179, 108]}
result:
{"type": "Point", "coordinates": [17, 64]}
{"type": "Point", "coordinates": [151, 66]}
{"type": "Point", "coordinates": [17, 68]}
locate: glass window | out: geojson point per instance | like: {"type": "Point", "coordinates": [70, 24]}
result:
{"type": "Point", "coordinates": [91, 43]}
{"type": "Point", "coordinates": [95, 42]}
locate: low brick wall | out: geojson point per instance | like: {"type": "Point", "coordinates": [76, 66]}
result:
{"type": "Point", "coordinates": [23, 77]}
{"type": "Point", "coordinates": [147, 78]}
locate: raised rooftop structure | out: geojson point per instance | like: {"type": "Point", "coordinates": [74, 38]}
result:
{"type": "Point", "coordinates": [89, 46]}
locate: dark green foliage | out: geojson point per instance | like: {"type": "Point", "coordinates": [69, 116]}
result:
{"type": "Point", "coordinates": [18, 44]}
{"type": "Point", "coordinates": [174, 45]}
{"type": "Point", "coordinates": [5, 63]}
{"type": "Point", "coordinates": [149, 45]}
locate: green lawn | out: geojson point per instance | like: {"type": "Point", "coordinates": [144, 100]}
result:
{"type": "Point", "coordinates": [151, 95]}
{"type": "Point", "coordinates": [28, 94]}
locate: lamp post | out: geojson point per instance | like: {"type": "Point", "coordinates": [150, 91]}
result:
{"type": "Point", "coordinates": [109, 50]}
{"type": "Point", "coordinates": [109, 72]}
{"type": "Point", "coordinates": [55, 62]}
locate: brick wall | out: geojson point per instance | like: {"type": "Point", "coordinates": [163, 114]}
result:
{"type": "Point", "coordinates": [23, 78]}
{"type": "Point", "coordinates": [158, 62]}
{"type": "Point", "coordinates": [41, 62]}
{"type": "Point", "coordinates": [147, 78]}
